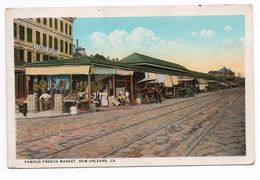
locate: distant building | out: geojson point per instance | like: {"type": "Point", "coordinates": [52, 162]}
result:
{"type": "Point", "coordinates": [39, 39]}
{"type": "Point", "coordinates": [223, 73]}
{"type": "Point", "coordinates": [78, 51]}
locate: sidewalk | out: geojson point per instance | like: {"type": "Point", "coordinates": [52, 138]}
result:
{"type": "Point", "coordinates": [52, 113]}
{"type": "Point", "coordinates": [40, 114]}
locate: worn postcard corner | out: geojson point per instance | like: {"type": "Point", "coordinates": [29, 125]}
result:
{"type": "Point", "coordinates": [130, 86]}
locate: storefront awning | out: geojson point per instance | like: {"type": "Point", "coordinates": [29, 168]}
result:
{"type": "Point", "coordinates": [124, 72]}
{"type": "Point", "coordinates": [202, 81]}
{"type": "Point", "coordinates": [145, 80]}
{"type": "Point", "coordinates": [57, 70]}
{"type": "Point", "coordinates": [185, 79]}
{"type": "Point", "coordinates": [103, 70]}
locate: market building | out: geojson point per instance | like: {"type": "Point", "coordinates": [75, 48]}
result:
{"type": "Point", "coordinates": [79, 80]}
{"type": "Point", "coordinates": [171, 76]}
{"type": "Point", "coordinates": [39, 39]}
{"type": "Point", "coordinates": [224, 74]}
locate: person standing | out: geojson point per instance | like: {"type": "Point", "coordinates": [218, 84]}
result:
{"type": "Point", "coordinates": [127, 101]}
{"type": "Point", "coordinates": [104, 101]}
{"type": "Point", "coordinates": [44, 100]}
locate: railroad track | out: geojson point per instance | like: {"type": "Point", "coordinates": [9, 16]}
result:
{"type": "Point", "coordinates": [118, 118]}
{"type": "Point", "coordinates": [162, 126]}
{"type": "Point", "coordinates": [178, 121]}
{"type": "Point", "coordinates": [211, 127]}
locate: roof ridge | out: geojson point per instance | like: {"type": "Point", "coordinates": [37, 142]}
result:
{"type": "Point", "coordinates": [140, 56]}
{"type": "Point", "coordinates": [87, 59]}
{"type": "Point", "coordinates": [170, 62]}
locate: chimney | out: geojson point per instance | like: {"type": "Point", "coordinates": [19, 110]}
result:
{"type": "Point", "coordinates": [77, 43]}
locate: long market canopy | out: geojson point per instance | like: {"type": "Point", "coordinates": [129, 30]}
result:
{"type": "Point", "coordinates": [163, 71]}
{"type": "Point", "coordinates": [59, 67]}
{"type": "Point", "coordinates": [77, 69]}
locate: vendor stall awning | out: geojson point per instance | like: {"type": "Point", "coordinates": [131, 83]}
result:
{"type": "Point", "coordinates": [202, 81]}
{"type": "Point", "coordinates": [185, 79]}
{"type": "Point", "coordinates": [150, 75]}
{"type": "Point", "coordinates": [103, 70]}
{"type": "Point", "coordinates": [124, 72]}
{"type": "Point", "coordinates": [57, 70]}
{"type": "Point", "coordinates": [174, 80]}
{"type": "Point", "coordinates": [145, 80]}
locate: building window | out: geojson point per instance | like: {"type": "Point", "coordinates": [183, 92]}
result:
{"type": "Point", "coordinates": [70, 49]}
{"type": "Point", "coordinates": [61, 45]}
{"type": "Point", "coordinates": [56, 23]}
{"type": "Point", "coordinates": [15, 30]}
{"type": "Point", "coordinates": [38, 56]}
{"type": "Point", "coordinates": [66, 28]}
{"type": "Point", "coordinates": [55, 43]}
{"type": "Point", "coordinates": [50, 22]}
{"type": "Point", "coordinates": [21, 32]}
{"type": "Point", "coordinates": [16, 56]}
{"type": "Point", "coordinates": [61, 26]}
{"type": "Point", "coordinates": [38, 38]}
{"type": "Point", "coordinates": [21, 57]}
{"type": "Point", "coordinates": [66, 47]}
{"type": "Point", "coordinates": [45, 21]}
{"type": "Point", "coordinates": [29, 56]}
{"type": "Point", "coordinates": [29, 35]}
{"type": "Point", "coordinates": [51, 58]}
{"type": "Point", "coordinates": [38, 20]}
{"type": "Point", "coordinates": [70, 30]}
{"type": "Point", "coordinates": [50, 41]}
{"type": "Point", "coordinates": [44, 40]}
{"type": "Point", "coordinates": [45, 57]}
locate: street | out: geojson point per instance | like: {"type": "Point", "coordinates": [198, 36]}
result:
{"type": "Point", "coordinates": [169, 129]}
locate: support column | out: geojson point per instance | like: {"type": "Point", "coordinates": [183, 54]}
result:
{"type": "Point", "coordinates": [114, 85]}
{"type": "Point", "coordinates": [132, 88]}
{"type": "Point", "coordinates": [89, 86]}
{"type": "Point", "coordinates": [70, 83]}
{"type": "Point", "coordinates": [27, 79]}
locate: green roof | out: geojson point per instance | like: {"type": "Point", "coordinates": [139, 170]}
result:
{"type": "Point", "coordinates": [97, 60]}
{"type": "Point", "coordinates": [140, 59]}
{"type": "Point", "coordinates": [140, 64]}
{"type": "Point", "coordinates": [61, 62]}
{"type": "Point", "coordinates": [202, 75]}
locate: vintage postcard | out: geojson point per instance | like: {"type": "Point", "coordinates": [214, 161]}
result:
{"type": "Point", "coordinates": [130, 86]}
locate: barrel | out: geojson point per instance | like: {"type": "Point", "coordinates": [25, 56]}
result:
{"type": "Point", "coordinates": [138, 101]}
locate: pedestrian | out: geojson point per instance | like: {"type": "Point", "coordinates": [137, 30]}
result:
{"type": "Point", "coordinates": [104, 101]}
{"type": "Point", "coordinates": [127, 101]}
{"type": "Point", "coordinates": [44, 100]}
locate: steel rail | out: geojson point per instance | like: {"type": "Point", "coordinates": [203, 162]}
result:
{"type": "Point", "coordinates": [155, 130]}
{"type": "Point", "coordinates": [209, 129]}
{"type": "Point", "coordinates": [114, 119]}
{"type": "Point", "coordinates": [126, 127]}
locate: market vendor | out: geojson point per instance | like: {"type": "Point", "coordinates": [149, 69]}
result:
{"type": "Point", "coordinates": [44, 100]}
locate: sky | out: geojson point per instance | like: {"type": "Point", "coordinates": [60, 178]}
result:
{"type": "Point", "coordinates": [200, 43]}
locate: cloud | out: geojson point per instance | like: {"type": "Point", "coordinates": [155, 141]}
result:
{"type": "Point", "coordinates": [228, 28]}
{"type": "Point", "coordinates": [241, 39]}
{"type": "Point", "coordinates": [98, 37]}
{"type": "Point", "coordinates": [203, 33]}
{"type": "Point", "coordinates": [139, 39]}
{"type": "Point", "coordinates": [141, 35]}
{"type": "Point", "coordinates": [117, 37]}
{"type": "Point", "coordinates": [227, 41]}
